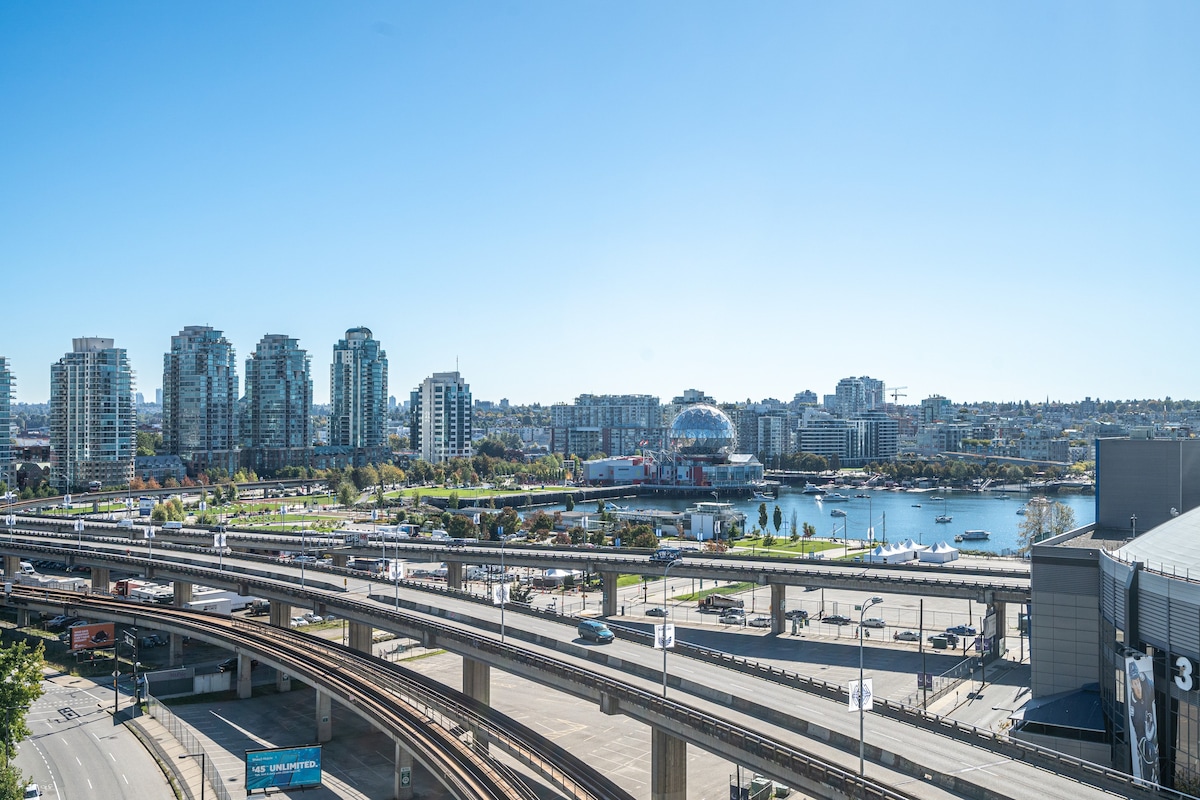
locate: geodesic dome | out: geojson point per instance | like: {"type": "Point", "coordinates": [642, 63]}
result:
{"type": "Point", "coordinates": [702, 430]}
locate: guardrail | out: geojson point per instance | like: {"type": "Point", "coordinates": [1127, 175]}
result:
{"type": "Point", "coordinates": [183, 734]}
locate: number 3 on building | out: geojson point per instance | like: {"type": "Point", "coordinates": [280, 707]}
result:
{"type": "Point", "coordinates": [1184, 670]}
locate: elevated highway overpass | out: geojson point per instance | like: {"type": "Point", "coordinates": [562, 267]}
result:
{"type": "Point", "coordinates": [455, 624]}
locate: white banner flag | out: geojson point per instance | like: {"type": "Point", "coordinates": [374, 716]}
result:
{"type": "Point", "coordinates": [500, 594]}
{"type": "Point", "coordinates": [664, 636]}
{"type": "Point", "coordinates": [148, 533]}
{"type": "Point", "coordinates": [219, 541]}
{"type": "Point", "coordinates": [865, 698]}
{"type": "Point", "coordinates": [79, 526]}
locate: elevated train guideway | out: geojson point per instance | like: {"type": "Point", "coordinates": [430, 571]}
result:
{"type": "Point", "coordinates": [446, 731]}
{"type": "Point", "coordinates": [926, 772]}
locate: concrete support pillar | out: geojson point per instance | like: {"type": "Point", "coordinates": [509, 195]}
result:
{"type": "Point", "coordinates": [175, 650]}
{"type": "Point", "coordinates": [244, 667]}
{"type": "Point", "coordinates": [608, 584]}
{"type": "Point", "coordinates": [183, 592]}
{"type": "Point", "coordinates": [281, 614]}
{"type": "Point", "coordinates": [404, 782]}
{"type": "Point", "coordinates": [477, 680]}
{"type": "Point", "coordinates": [324, 717]}
{"type": "Point", "coordinates": [362, 637]}
{"type": "Point", "coordinates": [668, 766]}
{"type": "Point", "coordinates": [778, 608]}
{"type": "Point", "coordinates": [283, 682]}
{"type": "Point", "coordinates": [341, 560]}
{"type": "Point", "coordinates": [12, 566]}
{"type": "Point", "coordinates": [454, 574]}
{"type": "Point", "coordinates": [998, 646]}
{"type": "Point", "coordinates": [22, 617]}
{"type": "Point", "coordinates": [100, 581]}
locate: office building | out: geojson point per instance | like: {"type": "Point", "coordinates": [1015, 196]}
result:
{"type": "Point", "coordinates": [200, 394]}
{"type": "Point", "coordinates": [7, 472]}
{"type": "Point", "coordinates": [358, 382]}
{"type": "Point", "coordinates": [441, 418]}
{"type": "Point", "coordinates": [92, 423]}
{"type": "Point", "coordinates": [277, 407]}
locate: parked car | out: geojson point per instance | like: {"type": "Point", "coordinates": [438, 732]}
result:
{"type": "Point", "coordinates": [874, 622]}
{"type": "Point", "coordinates": [836, 619]}
{"type": "Point", "coordinates": [760, 621]}
{"type": "Point", "coordinates": [313, 618]}
{"type": "Point", "coordinates": [733, 617]}
{"type": "Point", "coordinates": [657, 611]}
{"type": "Point", "coordinates": [962, 630]}
{"type": "Point", "coordinates": [298, 622]}
{"type": "Point", "coordinates": [231, 665]}
{"type": "Point", "coordinates": [798, 613]}
{"type": "Point", "coordinates": [906, 636]}
{"type": "Point", "coordinates": [304, 560]}
{"type": "Point", "coordinates": [32, 792]}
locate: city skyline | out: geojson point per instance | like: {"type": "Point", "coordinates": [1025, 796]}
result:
{"type": "Point", "coordinates": [981, 203]}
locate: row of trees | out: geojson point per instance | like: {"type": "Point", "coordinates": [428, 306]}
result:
{"type": "Point", "coordinates": [21, 666]}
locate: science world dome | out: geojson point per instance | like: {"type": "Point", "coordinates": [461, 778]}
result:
{"type": "Point", "coordinates": [702, 430]}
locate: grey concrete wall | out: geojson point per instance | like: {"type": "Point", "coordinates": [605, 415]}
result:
{"type": "Point", "coordinates": [1147, 478]}
{"type": "Point", "coordinates": [1064, 637]}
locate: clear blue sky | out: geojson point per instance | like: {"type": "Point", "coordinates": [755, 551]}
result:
{"type": "Point", "coordinates": [986, 201]}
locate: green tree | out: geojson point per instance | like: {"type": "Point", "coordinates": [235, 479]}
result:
{"type": "Point", "coordinates": [795, 528]}
{"type": "Point", "coordinates": [1042, 520]}
{"type": "Point", "coordinates": [646, 539]}
{"type": "Point", "coordinates": [768, 540]}
{"type": "Point", "coordinates": [762, 516]}
{"type": "Point", "coordinates": [347, 495]}
{"type": "Point", "coordinates": [22, 668]}
{"type": "Point", "coordinates": [777, 519]}
{"type": "Point", "coordinates": [452, 501]}
{"type": "Point", "coordinates": [600, 506]}
{"type": "Point", "coordinates": [148, 443]}
{"type": "Point", "coordinates": [570, 502]}
{"type": "Point", "coordinates": [461, 527]}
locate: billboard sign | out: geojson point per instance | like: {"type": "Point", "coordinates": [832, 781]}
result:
{"type": "Point", "coordinates": [285, 767]}
{"type": "Point", "coordinates": [89, 637]}
{"type": "Point", "coordinates": [1142, 719]}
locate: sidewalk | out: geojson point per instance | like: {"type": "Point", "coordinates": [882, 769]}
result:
{"type": "Point", "coordinates": [184, 772]}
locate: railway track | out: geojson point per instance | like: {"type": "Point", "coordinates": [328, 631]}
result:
{"type": "Point", "coordinates": [466, 771]}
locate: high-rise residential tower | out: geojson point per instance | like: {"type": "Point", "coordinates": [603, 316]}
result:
{"type": "Point", "coordinates": [441, 418]}
{"type": "Point", "coordinates": [276, 410]}
{"type": "Point", "coordinates": [200, 394]}
{"type": "Point", "coordinates": [92, 424]}
{"type": "Point", "coordinates": [358, 391]}
{"type": "Point", "coordinates": [7, 474]}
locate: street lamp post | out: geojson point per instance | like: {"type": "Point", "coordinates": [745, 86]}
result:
{"type": "Point", "coordinates": [1133, 524]}
{"type": "Point", "coordinates": [666, 569]}
{"type": "Point", "coordinates": [503, 588]}
{"type": "Point", "coordinates": [10, 520]}
{"type": "Point", "coordinates": [203, 766]}
{"type": "Point", "coordinates": [861, 690]}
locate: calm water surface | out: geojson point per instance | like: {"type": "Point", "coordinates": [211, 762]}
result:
{"type": "Point", "coordinates": [896, 515]}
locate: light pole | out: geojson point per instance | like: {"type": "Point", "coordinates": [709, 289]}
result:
{"type": "Point", "coordinates": [666, 569]}
{"type": "Point", "coordinates": [862, 700]}
{"type": "Point", "coordinates": [10, 520]}
{"type": "Point", "coordinates": [1133, 524]}
{"type": "Point", "coordinates": [203, 765]}
{"type": "Point", "coordinates": [503, 588]}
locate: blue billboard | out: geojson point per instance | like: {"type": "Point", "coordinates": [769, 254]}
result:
{"type": "Point", "coordinates": [285, 767]}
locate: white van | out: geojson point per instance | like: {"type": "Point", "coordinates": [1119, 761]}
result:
{"type": "Point", "coordinates": [26, 569]}
{"type": "Point", "coordinates": [172, 526]}
{"type": "Point", "coordinates": [439, 536]}
{"type": "Point", "coordinates": [125, 524]}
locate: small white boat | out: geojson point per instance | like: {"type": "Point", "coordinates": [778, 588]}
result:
{"type": "Point", "coordinates": [837, 512]}
{"type": "Point", "coordinates": [762, 496]}
{"type": "Point", "coordinates": [836, 497]}
{"type": "Point", "coordinates": [810, 488]}
{"type": "Point", "coordinates": [943, 518]}
{"type": "Point", "coordinates": [972, 536]}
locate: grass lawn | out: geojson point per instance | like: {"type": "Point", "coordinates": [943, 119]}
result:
{"type": "Point", "coordinates": [733, 588]}
{"type": "Point", "coordinates": [786, 547]}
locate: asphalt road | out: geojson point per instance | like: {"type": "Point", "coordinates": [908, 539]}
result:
{"type": "Point", "coordinates": [77, 752]}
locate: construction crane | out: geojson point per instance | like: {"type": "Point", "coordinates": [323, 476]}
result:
{"type": "Point", "coordinates": [897, 394]}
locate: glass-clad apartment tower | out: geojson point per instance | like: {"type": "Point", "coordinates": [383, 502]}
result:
{"type": "Point", "coordinates": [92, 424]}
{"type": "Point", "coordinates": [200, 392]}
{"type": "Point", "coordinates": [277, 407]}
{"type": "Point", "coordinates": [358, 391]}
